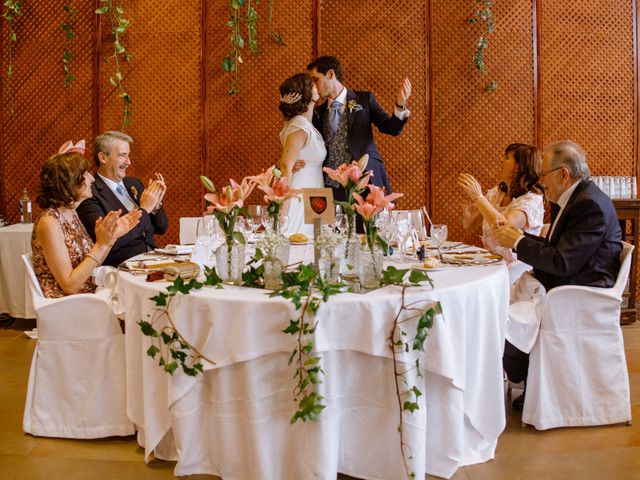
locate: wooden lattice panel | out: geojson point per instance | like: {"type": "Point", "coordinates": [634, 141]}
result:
{"type": "Point", "coordinates": [163, 79]}
{"type": "Point", "coordinates": [472, 127]}
{"type": "Point", "coordinates": [46, 114]}
{"type": "Point", "coordinates": [242, 130]}
{"type": "Point", "coordinates": [587, 78]}
{"type": "Point", "coordinates": [379, 42]}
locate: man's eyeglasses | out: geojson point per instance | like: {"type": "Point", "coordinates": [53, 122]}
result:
{"type": "Point", "coordinates": [542, 174]}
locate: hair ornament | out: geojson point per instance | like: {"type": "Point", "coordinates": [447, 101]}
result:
{"type": "Point", "coordinates": [291, 98]}
{"type": "Point", "coordinates": [69, 147]}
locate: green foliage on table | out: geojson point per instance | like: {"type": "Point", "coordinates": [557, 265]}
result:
{"type": "Point", "coordinates": [402, 342]}
{"type": "Point", "coordinates": [253, 276]}
{"type": "Point", "coordinates": [485, 19]}
{"type": "Point", "coordinates": [172, 349]}
{"type": "Point", "coordinates": [305, 288]}
{"type": "Point", "coordinates": [119, 25]}
{"type": "Point", "coordinates": [69, 35]}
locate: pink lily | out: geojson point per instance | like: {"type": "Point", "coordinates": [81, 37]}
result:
{"type": "Point", "coordinates": [375, 202]}
{"type": "Point", "coordinates": [279, 191]}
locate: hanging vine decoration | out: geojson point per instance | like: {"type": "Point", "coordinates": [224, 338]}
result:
{"type": "Point", "coordinates": [69, 35]}
{"type": "Point", "coordinates": [402, 343]}
{"type": "Point", "coordinates": [307, 290]}
{"type": "Point", "coordinates": [119, 26]}
{"type": "Point", "coordinates": [485, 20]}
{"type": "Point", "coordinates": [248, 16]}
{"type": "Point", "coordinates": [12, 9]}
{"type": "Point", "coordinates": [172, 349]}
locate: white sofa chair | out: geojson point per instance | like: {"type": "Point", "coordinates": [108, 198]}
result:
{"type": "Point", "coordinates": [577, 369]}
{"type": "Point", "coordinates": [77, 382]}
{"type": "Point", "coordinates": [188, 229]}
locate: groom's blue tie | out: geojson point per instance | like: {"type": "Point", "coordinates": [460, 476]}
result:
{"type": "Point", "coordinates": [334, 116]}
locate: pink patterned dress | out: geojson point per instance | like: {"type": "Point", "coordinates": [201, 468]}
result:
{"type": "Point", "coordinates": [78, 244]}
{"type": "Point", "coordinates": [531, 204]}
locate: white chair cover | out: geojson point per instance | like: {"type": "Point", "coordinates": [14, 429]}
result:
{"type": "Point", "coordinates": [578, 371]}
{"type": "Point", "coordinates": [188, 229]}
{"type": "Point", "coordinates": [77, 384]}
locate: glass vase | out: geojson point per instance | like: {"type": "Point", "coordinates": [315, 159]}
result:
{"type": "Point", "coordinates": [370, 267]}
{"type": "Point", "coordinates": [273, 267]}
{"type": "Point", "coordinates": [330, 260]}
{"type": "Point", "coordinates": [351, 260]}
{"type": "Point", "coordinates": [230, 262]}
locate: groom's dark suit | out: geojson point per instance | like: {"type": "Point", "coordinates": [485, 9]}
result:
{"type": "Point", "coordinates": [140, 238]}
{"type": "Point", "coordinates": [360, 133]}
{"type": "Point", "coordinates": [584, 248]}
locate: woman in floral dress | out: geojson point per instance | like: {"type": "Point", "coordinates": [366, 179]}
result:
{"type": "Point", "coordinates": [64, 256]}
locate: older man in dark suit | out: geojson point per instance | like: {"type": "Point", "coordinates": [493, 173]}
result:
{"type": "Point", "coordinates": [583, 243]}
{"type": "Point", "coordinates": [346, 118]}
{"type": "Point", "coordinates": [113, 190]}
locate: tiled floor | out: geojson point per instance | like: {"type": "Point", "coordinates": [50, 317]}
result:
{"type": "Point", "coordinates": [610, 452]}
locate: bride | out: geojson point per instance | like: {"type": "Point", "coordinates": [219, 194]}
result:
{"type": "Point", "coordinates": [300, 141]}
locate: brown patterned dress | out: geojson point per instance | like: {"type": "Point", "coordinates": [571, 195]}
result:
{"type": "Point", "coordinates": [78, 244]}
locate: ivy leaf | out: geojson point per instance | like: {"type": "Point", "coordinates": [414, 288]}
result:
{"type": "Point", "coordinates": [410, 406]}
{"type": "Point", "coordinates": [147, 328]}
{"type": "Point", "coordinates": [393, 276]}
{"type": "Point", "coordinates": [419, 276]}
{"type": "Point", "coordinates": [103, 10]}
{"type": "Point", "coordinates": [211, 277]}
{"type": "Point", "coordinates": [171, 367]}
{"type": "Point", "coordinates": [292, 328]}
{"type": "Point", "coordinates": [152, 351]}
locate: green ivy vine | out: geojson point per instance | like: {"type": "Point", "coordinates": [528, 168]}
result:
{"type": "Point", "coordinates": [244, 12]}
{"type": "Point", "coordinates": [402, 342]}
{"type": "Point", "coordinates": [172, 349]}
{"type": "Point", "coordinates": [69, 35]}
{"type": "Point", "coordinates": [485, 19]}
{"type": "Point", "coordinates": [119, 25]}
{"type": "Point", "coordinates": [12, 9]}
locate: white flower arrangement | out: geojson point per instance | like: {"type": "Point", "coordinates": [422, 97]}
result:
{"type": "Point", "coordinates": [270, 243]}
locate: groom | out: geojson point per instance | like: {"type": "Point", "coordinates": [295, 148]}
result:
{"type": "Point", "coordinates": [345, 121]}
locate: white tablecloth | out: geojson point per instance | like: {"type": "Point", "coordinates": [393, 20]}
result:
{"type": "Point", "coordinates": [233, 421]}
{"type": "Point", "coordinates": [15, 240]}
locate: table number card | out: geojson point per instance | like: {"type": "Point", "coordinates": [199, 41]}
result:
{"type": "Point", "coordinates": [318, 204]}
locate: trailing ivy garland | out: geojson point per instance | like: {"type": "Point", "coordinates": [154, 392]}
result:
{"type": "Point", "coordinates": [402, 342]}
{"type": "Point", "coordinates": [12, 9]}
{"type": "Point", "coordinates": [306, 289]}
{"type": "Point", "coordinates": [231, 63]}
{"type": "Point", "coordinates": [69, 35]}
{"type": "Point", "coordinates": [172, 348]}
{"type": "Point", "coordinates": [486, 20]}
{"type": "Point", "coordinates": [119, 26]}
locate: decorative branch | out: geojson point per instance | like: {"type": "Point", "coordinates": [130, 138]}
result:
{"type": "Point", "coordinates": [69, 35]}
{"type": "Point", "coordinates": [119, 26]}
{"type": "Point", "coordinates": [12, 9]}
{"type": "Point", "coordinates": [486, 20]}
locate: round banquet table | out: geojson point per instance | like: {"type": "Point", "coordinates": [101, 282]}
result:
{"type": "Point", "coordinates": [234, 420]}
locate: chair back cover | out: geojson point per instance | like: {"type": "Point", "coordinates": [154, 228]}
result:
{"type": "Point", "coordinates": [77, 383]}
{"type": "Point", "coordinates": [578, 371]}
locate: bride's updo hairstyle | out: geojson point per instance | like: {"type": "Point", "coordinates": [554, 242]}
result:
{"type": "Point", "coordinates": [295, 94]}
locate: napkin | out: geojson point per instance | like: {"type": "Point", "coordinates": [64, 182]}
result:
{"type": "Point", "coordinates": [178, 249]}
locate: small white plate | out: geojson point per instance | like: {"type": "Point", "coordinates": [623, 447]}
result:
{"type": "Point", "coordinates": [169, 251]}
{"type": "Point", "coordinates": [308, 242]}
{"type": "Point", "coordinates": [439, 268]}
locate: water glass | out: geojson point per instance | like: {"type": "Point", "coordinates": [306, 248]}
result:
{"type": "Point", "coordinates": [419, 224]}
{"type": "Point", "coordinates": [403, 231]}
{"type": "Point", "coordinates": [439, 234]}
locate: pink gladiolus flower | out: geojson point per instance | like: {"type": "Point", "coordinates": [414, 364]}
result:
{"type": "Point", "coordinates": [376, 201]}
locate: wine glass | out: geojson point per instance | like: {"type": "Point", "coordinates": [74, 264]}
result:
{"type": "Point", "coordinates": [439, 233]}
{"type": "Point", "coordinates": [255, 217]}
{"type": "Point", "coordinates": [403, 231]}
{"type": "Point", "coordinates": [339, 218]}
{"type": "Point", "coordinates": [267, 221]}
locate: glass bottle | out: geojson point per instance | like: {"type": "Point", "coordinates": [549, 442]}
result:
{"type": "Point", "coordinates": [25, 207]}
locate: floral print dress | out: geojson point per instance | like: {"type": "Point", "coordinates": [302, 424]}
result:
{"type": "Point", "coordinates": [78, 244]}
{"type": "Point", "coordinates": [531, 204]}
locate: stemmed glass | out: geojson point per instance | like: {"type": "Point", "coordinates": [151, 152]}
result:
{"type": "Point", "coordinates": [339, 219]}
{"type": "Point", "coordinates": [385, 227]}
{"type": "Point", "coordinates": [403, 231]}
{"type": "Point", "coordinates": [254, 220]}
{"type": "Point", "coordinates": [439, 233]}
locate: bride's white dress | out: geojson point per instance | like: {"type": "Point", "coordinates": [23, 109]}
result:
{"type": "Point", "coordinates": [310, 176]}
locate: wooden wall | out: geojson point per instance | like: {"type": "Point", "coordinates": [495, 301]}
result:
{"type": "Point", "coordinates": [565, 69]}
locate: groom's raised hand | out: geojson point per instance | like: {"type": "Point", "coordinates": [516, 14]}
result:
{"type": "Point", "coordinates": [404, 93]}
{"type": "Point", "coordinates": [299, 165]}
